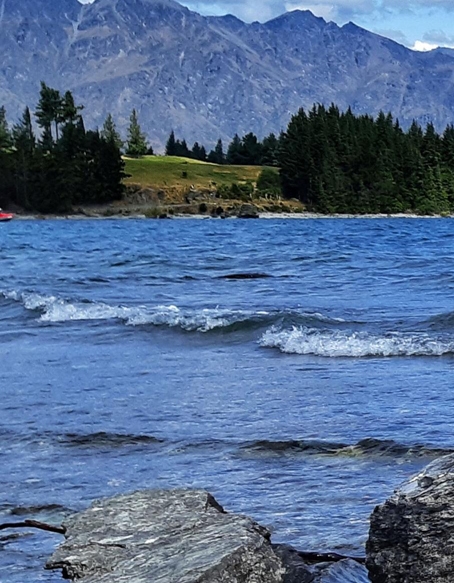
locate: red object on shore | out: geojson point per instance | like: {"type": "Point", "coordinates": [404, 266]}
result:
{"type": "Point", "coordinates": [5, 216]}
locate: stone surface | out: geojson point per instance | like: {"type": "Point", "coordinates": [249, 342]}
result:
{"type": "Point", "coordinates": [169, 536]}
{"type": "Point", "coordinates": [210, 77]}
{"type": "Point", "coordinates": [248, 211]}
{"type": "Point", "coordinates": [411, 537]}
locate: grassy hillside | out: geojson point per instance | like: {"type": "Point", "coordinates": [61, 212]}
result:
{"type": "Point", "coordinates": [182, 173]}
{"type": "Point", "coordinates": [161, 185]}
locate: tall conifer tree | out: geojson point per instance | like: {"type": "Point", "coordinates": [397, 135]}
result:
{"type": "Point", "coordinates": [136, 144]}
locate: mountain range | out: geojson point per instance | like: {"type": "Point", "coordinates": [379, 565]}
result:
{"type": "Point", "coordinates": [210, 77]}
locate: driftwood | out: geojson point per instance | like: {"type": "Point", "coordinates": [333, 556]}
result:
{"type": "Point", "coordinates": [34, 524]}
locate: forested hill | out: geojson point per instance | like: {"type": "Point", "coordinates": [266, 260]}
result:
{"type": "Point", "coordinates": [211, 77]}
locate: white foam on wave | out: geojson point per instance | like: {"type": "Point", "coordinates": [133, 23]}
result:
{"type": "Point", "coordinates": [54, 309]}
{"type": "Point", "coordinates": [202, 321]}
{"type": "Point", "coordinates": [336, 343]}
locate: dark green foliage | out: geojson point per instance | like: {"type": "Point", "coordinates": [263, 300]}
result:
{"type": "Point", "coordinates": [269, 183]}
{"type": "Point", "coordinates": [6, 166]}
{"type": "Point", "coordinates": [270, 151]}
{"type": "Point", "coordinates": [22, 158]}
{"type": "Point", "coordinates": [176, 147]}
{"type": "Point", "coordinates": [73, 166]}
{"type": "Point", "coordinates": [217, 155]}
{"type": "Point", "coordinates": [234, 151]}
{"type": "Point", "coordinates": [110, 134]}
{"type": "Point", "coordinates": [49, 111]}
{"type": "Point", "coordinates": [181, 149]}
{"type": "Point", "coordinates": [136, 144]}
{"type": "Point", "coordinates": [198, 152]}
{"type": "Point", "coordinates": [339, 163]}
{"type": "Point", "coordinates": [171, 145]}
{"type": "Point", "coordinates": [245, 151]}
{"type": "Point", "coordinates": [6, 161]}
{"type": "Point", "coordinates": [242, 192]}
{"type": "Point", "coordinates": [5, 135]}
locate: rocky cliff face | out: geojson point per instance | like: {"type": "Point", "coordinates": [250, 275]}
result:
{"type": "Point", "coordinates": [210, 77]}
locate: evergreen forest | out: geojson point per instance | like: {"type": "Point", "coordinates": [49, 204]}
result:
{"type": "Point", "coordinates": [66, 166]}
{"type": "Point", "coordinates": [341, 163]}
{"type": "Point", "coordinates": [331, 161]}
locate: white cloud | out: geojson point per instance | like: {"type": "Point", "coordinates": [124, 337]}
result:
{"type": "Point", "coordinates": [423, 46]}
{"type": "Point", "coordinates": [339, 10]}
{"type": "Point", "coordinates": [326, 11]}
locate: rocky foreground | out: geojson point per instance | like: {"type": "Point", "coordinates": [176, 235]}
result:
{"type": "Point", "coordinates": [179, 536]}
{"type": "Point", "coordinates": [185, 536]}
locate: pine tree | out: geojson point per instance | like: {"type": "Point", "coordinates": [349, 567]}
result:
{"type": "Point", "coordinates": [251, 150]}
{"type": "Point", "coordinates": [217, 155]}
{"type": "Point", "coordinates": [181, 149]}
{"type": "Point", "coordinates": [49, 111]}
{"type": "Point", "coordinates": [109, 132]}
{"type": "Point", "coordinates": [69, 110]}
{"type": "Point", "coordinates": [5, 135]}
{"type": "Point", "coordinates": [195, 151]}
{"type": "Point", "coordinates": [270, 147]}
{"type": "Point", "coordinates": [171, 145]}
{"type": "Point", "coordinates": [24, 147]}
{"type": "Point", "coordinates": [136, 144]}
{"type": "Point", "coordinates": [234, 151]}
{"type": "Point", "coordinates": [6, 170]}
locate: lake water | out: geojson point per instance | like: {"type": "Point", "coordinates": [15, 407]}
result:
{"type": "Point", "coordinates": [136, 354]}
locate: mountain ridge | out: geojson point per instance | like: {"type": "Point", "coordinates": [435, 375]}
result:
{"type": "Point", "coordinates": [211, 77]}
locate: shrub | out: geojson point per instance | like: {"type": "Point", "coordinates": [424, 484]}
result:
{"type": "Point", "coordinates": [269, 182]}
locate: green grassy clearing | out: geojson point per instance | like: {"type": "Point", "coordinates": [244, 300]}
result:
{"type": "Point", "coordinates": [168, 171]}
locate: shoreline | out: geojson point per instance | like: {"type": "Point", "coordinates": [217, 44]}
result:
{"type": "Point", "coordinates": [263, 216]}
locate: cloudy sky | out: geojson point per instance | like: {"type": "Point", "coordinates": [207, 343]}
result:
{"type": "Point", "coordinates": [418, 24]}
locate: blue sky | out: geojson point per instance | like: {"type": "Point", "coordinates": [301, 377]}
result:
{"type": "Point", "coordinates": [418, 24]}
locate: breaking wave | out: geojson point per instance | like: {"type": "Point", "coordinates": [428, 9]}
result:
{"type": "Point", "coordinates": [356, 344]}
{"type": "Point", "coordinates": [53, 309]}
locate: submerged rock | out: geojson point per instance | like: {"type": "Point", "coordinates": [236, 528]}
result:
{"type": "Point", "coordinates": [411, 537]}
{"type": "Point", "coordinates": [169, 536]}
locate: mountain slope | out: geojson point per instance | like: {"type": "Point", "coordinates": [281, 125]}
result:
{"type": "Point", "coordinates": [210, 77]}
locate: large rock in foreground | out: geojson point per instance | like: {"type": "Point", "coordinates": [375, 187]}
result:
{"type": "Point", "coordinates": [176, 536]}
{"type": "Point", "coordinates": [411, 537]}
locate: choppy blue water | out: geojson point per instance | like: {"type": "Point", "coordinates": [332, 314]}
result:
{"type": "Point", "coordinates": [135, 354]}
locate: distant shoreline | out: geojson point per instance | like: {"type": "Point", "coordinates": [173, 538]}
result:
{"type": "Point", "coordinates": [264, 216]}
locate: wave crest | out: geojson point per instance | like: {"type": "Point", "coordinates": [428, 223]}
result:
{"type": "Point", "coordinates": [337, 343]}
{"type": "Point", "coordinates": [53, 309]}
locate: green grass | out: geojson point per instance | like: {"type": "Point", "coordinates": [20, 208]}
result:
{"type": "Point", "coordinates": [168, 171]}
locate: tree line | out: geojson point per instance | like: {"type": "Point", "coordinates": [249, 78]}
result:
{"type": "Point", "coordinates": [67, 164]}
{"type": "Point", "coordinates": [245, 151]}
{"type": "Point", "coordinates": [338, 162]}
{"type": "Point", "coordinates": [332, 161]}
{"type": "Point", "coordinates": [341, 163]}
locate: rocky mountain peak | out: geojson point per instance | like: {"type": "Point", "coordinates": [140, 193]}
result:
{"type": "Point", "coordinates": [210, 77]}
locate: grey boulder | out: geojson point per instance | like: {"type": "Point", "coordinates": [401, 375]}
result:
{"type": "Point", "coordinates": [168, 536]}
{"type": "Point", "coordinates": [411, 538]}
